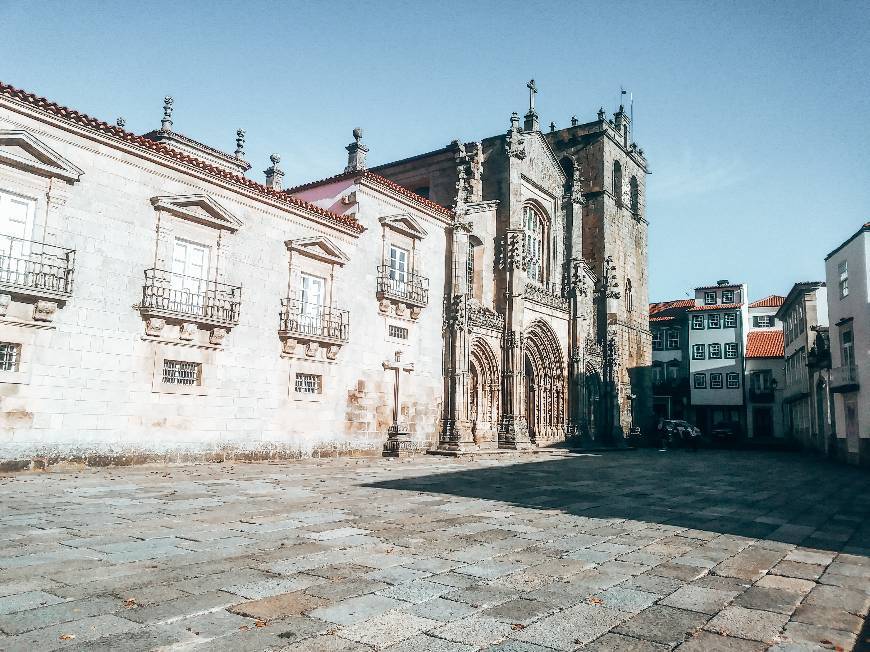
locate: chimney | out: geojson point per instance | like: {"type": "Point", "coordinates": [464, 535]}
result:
{"type": "Point", "coordinates": [273, 173]}
{"type": "Point", "coordinates": [356, 153]}
{"type": "Point", "coordinates": [724, 281]}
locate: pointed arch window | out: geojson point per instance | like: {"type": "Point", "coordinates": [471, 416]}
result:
{"type": "Point", "coordinates": [633, 196]}
{"type": "Point", "coordinates": [536, 239]}
{"type": "Point", "coordinates": [617, 182]}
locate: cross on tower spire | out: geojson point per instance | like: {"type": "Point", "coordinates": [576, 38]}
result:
{"type": "Point", "coordinates": [533, 90]}
{"type": "Point", "coordinates": [531, 121]}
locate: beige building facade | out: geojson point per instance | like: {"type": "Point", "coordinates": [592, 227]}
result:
{"type": "Point", "coordinates": [156, 303]}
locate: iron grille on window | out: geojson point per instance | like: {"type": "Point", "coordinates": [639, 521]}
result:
{"type": "Point", "coordinates": [308, 383]}
{"type": "Point", "coordinates": [402, 285]}
{"type": "Point", "coordinates": [178, 372]}
{"type": "Point", "coordinates": [35, 266]}
{"type": "Point", "coordinates": [313, 320]}
{"type": "Point", "coordinates": [398, 332]}
{"type": "Point", "coordinates": [10, 355]}
{"type": "Point", "coordinates": [187, 296]}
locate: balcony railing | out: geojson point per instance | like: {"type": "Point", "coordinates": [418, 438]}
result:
{"type": "Point", "coordinates": [844, 379]}
{"type": "Point", "coordinates": [761, 395]}
{"type": "Point", "coordinates": [403, 286]}
{"type": "Point", "coordinates": [36, 268]}
{"type": "Point", "coordinates": [310, 321]}
{"type": "Point", "coordinates": [189, 298]}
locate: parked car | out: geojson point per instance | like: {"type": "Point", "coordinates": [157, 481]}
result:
{"type": "Point", "coordinates": [676, 432]}
{"type": "Point", "coordinates": [726, 433]}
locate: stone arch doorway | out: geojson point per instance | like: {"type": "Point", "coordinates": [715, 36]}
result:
{"type": "Point", "coordinates": [544, 384]}
{"type": "Point", "coordinates": [483, 392]}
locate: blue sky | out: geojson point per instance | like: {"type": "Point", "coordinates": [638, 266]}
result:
{"type": "Point", "coordinates": [754, 116]}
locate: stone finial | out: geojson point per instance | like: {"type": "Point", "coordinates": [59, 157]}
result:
{"type": "Point", "coordinates": [601, 113]}
{"type": "Point", "coordinates": [356, 153]}
{"type": "Point", "coordinates": [240, 143]}
{"type": "Point", "coordinates": [515, 121]}
{"type": "Point", "coordinates": [273, 173]}
{"type": "Point", "coordinates": [552, 126]}
{"type": "Point", "coordinates": [531, 118]}
{"type": "Point", "coordinates": [515, 144]}
{"type": "Point", "coordinates": [166, 122]}
{"type": "Point", "coordinates": [574, 121]}
{"type": "Point", "coordinates": [120, 123]}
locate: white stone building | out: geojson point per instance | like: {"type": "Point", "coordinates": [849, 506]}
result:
{"type": "Point", "coordinates": [847, 270]}
{"type": "Point", "coordinates": [154, 302]}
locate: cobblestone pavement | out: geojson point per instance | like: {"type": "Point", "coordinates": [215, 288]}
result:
{"type": "Point", "coordinates": [636, 550]}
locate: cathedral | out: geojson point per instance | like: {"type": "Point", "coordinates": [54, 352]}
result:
{"type": "Point", "coordinates": [159, 303]}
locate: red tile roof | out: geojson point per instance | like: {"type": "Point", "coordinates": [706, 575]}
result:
{"type": "Point", "coordinates": [669, 307]}
{"type": "Point", "coordinates": [657, 318]}
{"type": "Point", "coordinates": [773, 301]}
{"type": "Point", "coordinates": [727, 286]}
{"type": "Point", "coordinates": [718, 306]}
{"type": "Point", "coordinates": [765, 344]}
{"type": "Point", "coordinates": [87, 121]}
{"type": "Point", "coordinates": [377, 179]}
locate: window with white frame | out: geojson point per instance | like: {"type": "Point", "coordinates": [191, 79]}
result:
{"type": "Point", "coordinates": [714, 320]}
{"type": "Point", "coordinates": [398, 266]}
{"type": "Point", "coordinates": [843, 272]}
{"type": "Point", "coordinates": [10, 356]}
{"type": "Point", "coordinates": [729, 320]}
{"type": "Point", "coordinates": [181, 372]}
{"type": "Point", "coordinates": [697, 322]}
{"type": "Point", "coordinates": [847, 346]}
{"type": "Point", "coordinates": [698, 351]}
{"type": "Point", "coordinates": [535, 240]}
{"type": "Point", "coordinates": [731, 350]}
{"type": "Point", "coordinates": [732, 380]}
{"type": "Point", "coordinates": [762, 321]}
{"type": "Point", "coordinates": [311, 295]}
{"type": "Point", "coordinates": [716, 381]}
{"type": "Point", "coordinates": [715, 350]}
{"type": "Point", "coordinates": [709, 298]}
{"type": "Point", "coordinates": [16, 229]}
{"type": "Point", "coordinates": [673, 339]}
{"type": "Point", "coordinates": [700, 381]}
{"type": "Point", "coordinates": [761, 381]}
{"type": "Point", "coordinates": [727, 296]}
{"type": "Point", "coordinates": [308, 383]}
{"type": "Point", "coordinates": [657, 340]}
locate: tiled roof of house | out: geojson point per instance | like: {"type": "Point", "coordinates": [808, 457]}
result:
{"type": "Point", "coordinates": [765, 344]}
{"type": "Point", "coordinates": [718, 306]}
{"type": "Point", "coordinates": [375, 178]}
{"type": "Point", "coordinates": [727, 286]}
{"type": "Point", "coordinates": [662, 318]}
{"type": "Point", "coordinates": [670, 307]}
{"type": "Point", "coordinates": [773, 301]}
{"type": "Point", "coordinates": [87, 121]}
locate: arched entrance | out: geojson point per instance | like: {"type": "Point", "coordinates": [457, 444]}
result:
{"type": "Point", "coordinates": [545, 386]}
{"type": "Point", "coordinates": [483, 392]}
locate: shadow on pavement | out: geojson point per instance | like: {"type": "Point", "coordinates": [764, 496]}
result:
{"type": "Point", "coordinates": [782, 497]}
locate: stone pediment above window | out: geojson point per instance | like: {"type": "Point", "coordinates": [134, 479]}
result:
{"type": "Point", "coordinates": [199, 208]}
{"type": "Point", "coordinates": [23, 150]}
{"type": "Point", "coordinates": [320, 248]}
{"type": "Point", "coordinates": [404, 224]}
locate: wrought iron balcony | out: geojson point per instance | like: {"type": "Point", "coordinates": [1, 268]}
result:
{"type": "Point", "coordinates": [35, 268]}
{"type": "Point", "coordinates": [307, 321]}
{"type": "Point", "coordinates": [761, 395]}
{"type": "Point", "coordinates": [844, 379]}
{"type": "Point", "coordinates": [186, 298]}
{"type": "Point", "coordinates": [406, 287]}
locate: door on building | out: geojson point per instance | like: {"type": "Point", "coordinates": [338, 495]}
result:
{"type": "Point", "coordinates": [190, 263]}
{"type": "Point", "coordinates": [398, 269]}
{"type": "Point", "coordinates": [762, 421]}
{"type": "Point", "coordinates": [850, 409]}
{"type": "Point", "coordinates": [311, 303]}
{"type": "Point", "coordinates": [16, 227]}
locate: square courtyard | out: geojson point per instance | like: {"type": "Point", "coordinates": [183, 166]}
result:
{"type": "Point", "coordinates": [629, 550]}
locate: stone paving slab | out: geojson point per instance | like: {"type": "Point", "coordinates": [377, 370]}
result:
{"type": "Point", "coordinates": [627, 551]}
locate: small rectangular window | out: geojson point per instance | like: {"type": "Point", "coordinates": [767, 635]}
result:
{"type": "Point", "coordinates": [714, 321]}
{"type": "Point", "coordinates": [398, 332]}
{"type": "Point", "coordinates": [715, 351]}
{"type": "Point", "coordinates": [729, 320]}
{"type": "Point", "coordinates": [715, 381]}
{"type": "Point", "coordinates": [10, 356]}
{"type": "Point", "coordinates": [727, 296]}
{"type": "Point", "coordinates": [733, 380]}
{"type": "Point", "coordinates": [673, 339]}
{"type": "Point", "coordinates": [657, 341]}
{"type": "Point", "coordinates": [709, 298]}
{"type": "Point", "coordinates": [843, 271]}
{"type": "Point", "coordinates": [180, 372]}
{"type": "Point", "coordinates": [698, 351]}
{"type": "Point", "coordinates": [762, 321]}
{"type": "Point", "coordinates": [700, 381]}
{"type": "Point", "coordinates": [731, 350]}
{"type": "Point", "coordinates": [697, 322]}
{"type": "Point", "coordinates": [309, 384]}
